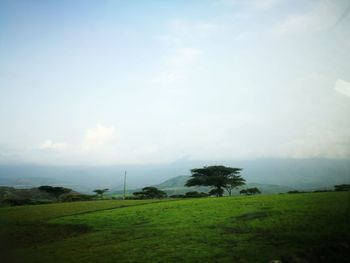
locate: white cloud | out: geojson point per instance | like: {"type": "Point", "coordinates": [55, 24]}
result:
{"type": "Point", "coordinates": [317, 144]}
{"type": "Point", "coordinates": [177, 66]}
{"type": "Point", "coordinates": [97, 137]}
{"type": "Point", "coordinates": [263, 5]}
{"type": "Point", "coordinates": [188, 29]}
{"type": "Point", "coordinates": [252, 5]}
{"type": "Point", "coordinates": [50, 145]}
{"type": "Point", "coordinates": [184, 56]}
{"type": "Point", "coordinates": [343, 87]}
{"type": "Point", "coordinates": [168, 77]}
{"type": "Point", "coordinates": [320, 17]}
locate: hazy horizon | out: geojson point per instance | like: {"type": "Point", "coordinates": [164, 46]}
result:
{"type": "Point", "coordinates": [108, 82]}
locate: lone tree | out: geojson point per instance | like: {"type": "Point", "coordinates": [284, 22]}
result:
{"type": "Point", "coordinates": [217, 177]}
{"type": "Point", "coordinates": [55, 191]}
{"type": "Point", "coordinates": [150, 192]}
{"type": "Point", "coordinates": [250, 191]}
{"type": "Point", "coordinates": [100, 192]}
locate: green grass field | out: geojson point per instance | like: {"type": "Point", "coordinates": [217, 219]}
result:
{"type": "Point", "coordinates": [228, 229]}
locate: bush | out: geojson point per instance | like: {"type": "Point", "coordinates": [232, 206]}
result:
{"type": "Point", "coordinates": [192, 194]}
{"type": "Point", "coordinates": [76, 197]}
{"type": "Point", "coordinates": [131, 198]}
{"type": "Point", "coordinates": [342, 187]}
{"type": "Point", "coordinates": [294, 192]}
{"type": "Point", "coordinates": [177, 196]}
{"type": "Point", "coordinates": [322, 191]}
{"type": "Point", "coordinates": [150, 192]}
{"type": "Point", "coordinates": [250, 191]}
{"type": "Point", "coordinates": [195, 194]}
{"type": "Point", "coordinates": [18, 202]}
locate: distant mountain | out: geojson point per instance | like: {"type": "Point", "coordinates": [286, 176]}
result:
{"type": "Point", "coordinates": [176, 184]}
{"type": "Point", "coordinates": [301, 174]}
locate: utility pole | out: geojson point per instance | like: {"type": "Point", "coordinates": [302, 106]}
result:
{"type": "Point", "coordinates": [124, 185]}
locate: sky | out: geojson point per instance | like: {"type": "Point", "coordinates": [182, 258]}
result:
{"type": "Point", "coordinates": [137, 82]}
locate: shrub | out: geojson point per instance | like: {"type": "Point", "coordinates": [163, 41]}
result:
{"type": "Point", "coordinates": [195, 194]}
{"type": "Point", "coordinates": [76, 197]}
{"type": "Point", "coordinates": [18, 202]}
{"type": "Point", "coordinates": [342, 187]}
{"type": "Point", "coordinates": [150, 192]}
{"type": "Point", "coordinates": [177, 196]}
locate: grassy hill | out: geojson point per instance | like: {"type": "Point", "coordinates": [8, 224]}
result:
{"type": "Point", "coordinates": [311, 226]}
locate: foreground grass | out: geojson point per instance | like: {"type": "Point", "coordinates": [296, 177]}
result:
{"type": "Point", "coordinates": [25, 226]}
{"type": "Point", "coordinates": [235, 229]}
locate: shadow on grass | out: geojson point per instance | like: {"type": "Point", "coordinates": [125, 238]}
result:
{"type": "Point", "coordinates": [253, 215]}
{"type": "Point", "coordinates": [33, 234]}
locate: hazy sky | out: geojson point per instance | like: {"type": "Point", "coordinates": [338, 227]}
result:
{"type": "Point", "coordinates": [104, 82]}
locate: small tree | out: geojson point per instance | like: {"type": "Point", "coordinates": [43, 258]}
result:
{"type": "Point", "coordinates": [234, 181]}
{"type": "Point", "coordinates": [150, 192]}
{"type": "Point", "coordinates": [55, 191]}
{"type": "Point", "coordinates": [100, 192]}
{"type": "Point", "coordinates": [250, 191]}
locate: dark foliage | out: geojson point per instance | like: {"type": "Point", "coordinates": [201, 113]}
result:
{"type": "Point", "coordinates": [150, 192]}
{"type": "Point", "coordinates": [56, 191]}
{"type": "Point", "coordinates": [218, 177]}
{"type": "Point", "coordinates": [177, 196]}
{"type": "Point", "coordinates": [250, 191]}
{"type": "Point", "coordinates": [295, 192]}
{"type": "Point", "coordinates": [195, 194]}
{"type": "Point", "coordinates": [216, 192]}
{"type": "Point", "coordinates": [100, 192]}
{"type": "Point", "coordinates": [76, 197]}
{"type": "Point", "coordinates": [192, 194]}
{"type": "Point", "coordinates": [342, 187]}
{"type": "Point", "coordinates": [18, 202]}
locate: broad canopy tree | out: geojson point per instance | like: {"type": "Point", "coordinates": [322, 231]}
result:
{"type": "Point", "coordinates": [217, 177]}
{"type": "Point", "coordinates": [150, 192]}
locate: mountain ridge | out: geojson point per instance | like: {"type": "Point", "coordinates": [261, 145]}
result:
{"type": "Point", "coordinates": [302, 174]}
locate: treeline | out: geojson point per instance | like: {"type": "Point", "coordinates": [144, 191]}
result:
{"type": "Point", "coordinates": [337, 188]}
{"type": "Point", "coordinates": [218, 178]}
{"type": "Point", "coordinates": [44, 194]}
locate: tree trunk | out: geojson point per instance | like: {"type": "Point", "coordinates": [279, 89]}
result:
{"type": "Point", "coordinates": [219, 194]}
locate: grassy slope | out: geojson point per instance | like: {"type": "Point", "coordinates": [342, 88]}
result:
{"type": "Point", "coordinates": [49, 211]}
{"type": "Point", "coordinates": [27, 226]}
{"type": "Point", "coordinates": [236, 229]}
